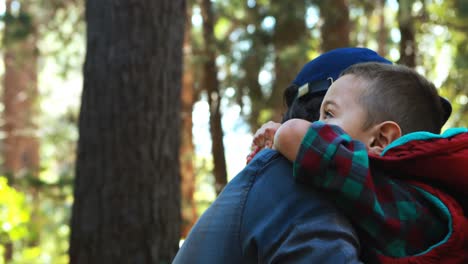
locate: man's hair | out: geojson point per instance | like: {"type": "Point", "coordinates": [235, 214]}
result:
{"type": "Point", "coordinates": [306, 107]}
{"type": "Point", "coordinates": [398, 93]}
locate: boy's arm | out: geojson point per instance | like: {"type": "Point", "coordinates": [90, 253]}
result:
{"type": "Point", "coordinates": [393, 216]}
{"type": "Point", "coordinates": [289, 136]}
{"type": "Point", "coordinates": [285, 138]}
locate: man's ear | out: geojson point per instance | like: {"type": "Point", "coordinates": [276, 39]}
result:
{"type": "Point", "coordinates": [384, 134]}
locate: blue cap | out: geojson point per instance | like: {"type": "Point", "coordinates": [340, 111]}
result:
{"type": "Point", "coordinates": [317, 72]}
{"type": "Point", "coordinates": [332, 63]}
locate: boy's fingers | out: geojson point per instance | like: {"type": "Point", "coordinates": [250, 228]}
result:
{"type": "Point", "coordinates": [252, 154]}
{"type": "Point", "coordinates": [259, 140]}
{"type": "Point", "coordinates": [271, 134]}
{"type": "Point", "coordinates": [265, 135]}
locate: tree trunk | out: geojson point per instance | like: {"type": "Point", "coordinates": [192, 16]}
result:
{"type": "Point", "coordinates": [187, 149]}
{"type": "Point", "coordinates": [284, 75]}
{"type": "Point", "coordinates": [21, 145]}
{"type": "Point", "coordinates": [252, 66]}
{"type": "Point", "coordinates": [211, 85]}
{"type": "Point", "coordinates": [383, 31]}
{"type": "Point", "coordinates": [127, 187]}
{"type": "Point", "coordinates": [407, 42]}
{"type": "Point", "coordinates": [289, 36]}
{"type": "Point", "coordinates": [335, 28]}
{"type": "Point", "coordinates": [252, 63]}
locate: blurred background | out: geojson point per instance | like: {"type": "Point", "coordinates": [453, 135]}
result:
{"type": "Point", "coordinates": [239, 56]}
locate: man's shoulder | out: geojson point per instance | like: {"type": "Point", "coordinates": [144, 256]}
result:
{"type": "Point", "coordinates": [265, 156]}
{"type": "Point", "coordinates": [271, 173]}
{"type": "Point", "coordinates": [267, 159]}
{"type": "Point", "coordinates": [281, 217]}
{"type": "Point", "coordinates": [272, 185]}
{"type": "Point", "coordinates": [267, 163]}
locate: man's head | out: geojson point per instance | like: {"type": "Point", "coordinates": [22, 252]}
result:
{"type": "Point", "coordinates": [304, 97]}
{"type": "Point", "coordinates": [377, 103]}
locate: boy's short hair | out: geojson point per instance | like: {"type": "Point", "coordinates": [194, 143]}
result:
{"type": "Point", "coordinates": [398, 93]}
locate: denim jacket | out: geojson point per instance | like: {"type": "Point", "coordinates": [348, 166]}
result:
{"type": "Point", "coordinates": [263, 216]}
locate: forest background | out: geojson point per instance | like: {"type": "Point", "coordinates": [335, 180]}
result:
{"type": "Point", "coordinates": [238, 56]}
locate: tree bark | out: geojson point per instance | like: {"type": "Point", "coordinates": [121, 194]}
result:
{"type": "Point", "coordinates": [382, 37]}
{"type": "Point", "coordinates": [21, 145]}
{"type": "Point", "coordinates": [211, 84]}
{"type": "Point", "coordinates": [407, 42]}
{"type": "Point", "coordinates": [289, 36]}
{"type": "Point", "coordinates": [127, 187]}
{"type": "Point", "coordinates": [187, 149]}
{"type": "Point", "coordinates": [252, 66]}
{"type": "Point", "coordinates": [336, 26]}
{"type": "Point", "coordinates": [252, 63]}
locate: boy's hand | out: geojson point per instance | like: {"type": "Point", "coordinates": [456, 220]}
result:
{"type": "Point", "coordinates": [265, 135]}
{"type": "Point", "coordinates": [263, 138]}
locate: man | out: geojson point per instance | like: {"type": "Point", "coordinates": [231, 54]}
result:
{"type": "Point", "coordinates": [262, 215]}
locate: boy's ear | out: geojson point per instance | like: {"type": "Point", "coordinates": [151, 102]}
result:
{"type": "Point", "coordinates": [384, 134]}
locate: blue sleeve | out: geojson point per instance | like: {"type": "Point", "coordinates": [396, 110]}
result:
{"type": "Point", "coordinates": [284, 222]}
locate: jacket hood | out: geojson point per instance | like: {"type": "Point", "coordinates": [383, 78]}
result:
{"type": "Point", "coordinates": [438, 160]}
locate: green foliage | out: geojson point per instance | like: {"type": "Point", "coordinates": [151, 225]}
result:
{"type": "Point", "coordinates": [265, 39]}
{"type": "Point", "coordinates": [222, 28]}
{"type": "Point", "coordinates": [461, 8]}
{"type": "Point", "coordinates": [14, 213]}
{"type": "Point", "coordinates": [450, 19]}
{"type": "Point", "coordinates": [19, 26]}
{"type": "Point", "coordinates": [62, 37]}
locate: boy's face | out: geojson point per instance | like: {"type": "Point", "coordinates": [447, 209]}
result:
{"type": "Point", "coordinates": [341, 107]}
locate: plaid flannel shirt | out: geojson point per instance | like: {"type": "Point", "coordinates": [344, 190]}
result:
{"type": "Point", "coordinates": [392, 217]}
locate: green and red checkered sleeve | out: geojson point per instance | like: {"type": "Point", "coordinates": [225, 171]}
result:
{"type": "Point", "coordinates": [391, 216]}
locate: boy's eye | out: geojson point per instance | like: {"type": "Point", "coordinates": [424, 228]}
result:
{"type": "Point", "coordinates": [327, 114]}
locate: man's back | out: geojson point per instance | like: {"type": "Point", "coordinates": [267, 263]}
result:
{"type": "Point", "coordinates": [263, 216]}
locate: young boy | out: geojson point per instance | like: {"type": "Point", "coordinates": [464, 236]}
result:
{"type": "Point", "coordinates": [369, 155]}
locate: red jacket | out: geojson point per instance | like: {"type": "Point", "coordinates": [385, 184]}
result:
{"type": "Point", "coordinates": [439, 166]}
